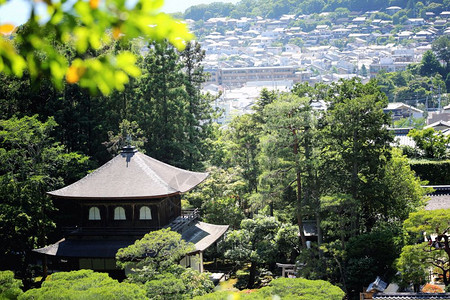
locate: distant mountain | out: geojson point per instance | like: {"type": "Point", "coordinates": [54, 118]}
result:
{"type": "Point", "coordinates": [277, 8]}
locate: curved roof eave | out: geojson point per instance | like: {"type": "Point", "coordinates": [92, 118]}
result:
{"type": "Point", "coordinates": [113, 198]}
{"type": "Point", "coordinates": [132, 175]}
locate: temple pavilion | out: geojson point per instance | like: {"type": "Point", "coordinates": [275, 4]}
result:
{"type": "Point", "coordinates": [120, 202]}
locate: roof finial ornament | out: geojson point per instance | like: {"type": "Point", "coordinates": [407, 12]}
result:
{"type": "Point", "coordinates": [128, 148]}
{"type": "Point", "coordinates": [128, 140]}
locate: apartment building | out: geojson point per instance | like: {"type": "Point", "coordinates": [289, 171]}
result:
{"type": "Point", "coordinates": [237, 77]}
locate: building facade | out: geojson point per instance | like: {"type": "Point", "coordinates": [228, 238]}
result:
{"type": "Point", "coordinates": [119, 203]}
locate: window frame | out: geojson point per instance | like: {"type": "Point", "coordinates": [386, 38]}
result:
{"type": "Point", "coordinates": [118, 210]}
{"type": "Point", "coordinates": [94, 211]}
{"type": "Point", "coordinates": [144, 209]}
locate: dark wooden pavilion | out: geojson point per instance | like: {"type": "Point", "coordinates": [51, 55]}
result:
{"type": "Point", "coordinates": [121, 201]}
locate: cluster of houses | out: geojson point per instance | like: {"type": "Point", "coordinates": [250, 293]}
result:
{"type": "Point", "coordinates": [256, 53]}
{"type": "Point", "coordinates": [438, 120]}
{"type": "Point", "coordinates": [341, 48]}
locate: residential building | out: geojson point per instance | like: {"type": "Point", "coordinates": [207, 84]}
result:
{"type": "Point", "coordinates": [401, 110]}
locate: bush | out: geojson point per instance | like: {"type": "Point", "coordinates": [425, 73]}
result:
{"type": "Point", "coordinates": [431, 288]}
{"type": "Point", "coordinates": [84, 284]}
{"type": "Point", "coordinates": [284, 288]}
{"type": "Point", "coordinates": [242, 279]}
{"type": "Point", "coordinates": [9, 287]}
{"type": "Point", "coordinates": [435, 172]}
{"type": "Point", "coordinates": [411, 152]}
{"type": "Point", "coordinates": [179, 283]}
{"type": "Point", "coordinates": [302, 289]}
{"type": "Point", "coordinates": [165, 286]}
{"type": "Point", "coordinates": [310, 265]}
{"type": "Point", "coordinates": [372, 254]}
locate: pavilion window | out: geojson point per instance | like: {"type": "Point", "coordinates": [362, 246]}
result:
{"type": "Point", "coordinates": [145, 213]}
{"type": "Point", "coordinates": [119, 213]}
{"type": "Point", "coordinates": [94, 213]}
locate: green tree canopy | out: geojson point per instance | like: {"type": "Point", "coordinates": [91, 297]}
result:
{"type": "Point", "coordinates": [253, 243]}
{"type": "Point", "coordinates": [412, 265]}
{"type": "Point", "coordinates": [433, 144]}
{"type": "Point", "coordinates": [243, 139]}
{"type": "Point", "coordinates": [289, 148]}
{"type": "Point", "coordinates": [222, 190]}
{"type": "Point", "coordinates": [169, 108]}
{"type": "Point", "coordinates": [429, 64]}
{"type": "Point", "coordinates": [441, 46]}
{"type": "Point", "coordinates": [84, 284]}
{"type": "Point", "coordinates": [154, 253]}
{"type": "Point", "coordinates": [10, 288]}
{"type": "Point", "coordinates": [152, 262]}
{"type": "Point", "coordinates": [436, 225]}
{"type": "Point", "coordinates": [129, 134]}
{"type": "Point", "coordinates": [357, 142]}
{"type": "Point", "coordinates": [372, 254]}
{"type": "Point", "coordinates": [32, 164]}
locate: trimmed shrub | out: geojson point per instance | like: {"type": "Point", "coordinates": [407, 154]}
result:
{"type": "Point", "coordinates": [286, 289]}
{"type": "Point", "coordinates": [10, 288]}
{"type": "Point", "coordinates": [433, 171]}
{"type": "Point", "coordinates": [431, 288]}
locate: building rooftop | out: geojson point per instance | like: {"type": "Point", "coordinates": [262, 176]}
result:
{"type": "Point", "coordinates": [201, 234]}
{"type": "Point", "coordinates": [438, 202]}
{"type": "Point", "coordinates": [400, 105]}
{"type": "Point", "coordinates": [408, 296]}
{"type": "Point", "coordinates": [132, 175]}
{"type": "Point", "coordinates": [440, 198]}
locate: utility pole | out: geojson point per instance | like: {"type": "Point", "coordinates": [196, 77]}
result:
{"type": "Point", "coordinates": [439, 99]}
{"type": "Point", "coordinates": [432, 102]}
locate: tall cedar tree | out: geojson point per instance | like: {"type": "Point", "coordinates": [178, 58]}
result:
{"type": "Point", "coordinates": [358, 144]}
{"type": "Point", "coordinates": [290, 125]}
{"type": "Point", "coordinates": [198, 119]}
{"type": "Point", "coordinates": [169, 108]}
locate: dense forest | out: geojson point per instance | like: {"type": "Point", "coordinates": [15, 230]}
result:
{"type": "Point", "coordinates": [275, 9]}
{"type": "Point", "coordinates": [52, 136]}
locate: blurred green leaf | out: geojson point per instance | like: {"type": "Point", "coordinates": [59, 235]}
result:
{"type": "Point", "coordinates": [89, 26]}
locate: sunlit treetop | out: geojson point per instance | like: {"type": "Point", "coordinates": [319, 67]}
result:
{"type": "Point", "coordinates": [87, 26]}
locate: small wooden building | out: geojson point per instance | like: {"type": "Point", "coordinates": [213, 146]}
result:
{"type": "Point", "coordinates": [121, 201]}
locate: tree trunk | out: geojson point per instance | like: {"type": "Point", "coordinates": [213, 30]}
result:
{"type": "Point", "coordinates": [445, 277]}
{"type": "Point", "coordinates": [447, 250]}
{"type": "Point", "coordinates": [354, 222]}
{"type": "Point", "coordinates": [319, 230]}
{"type": "Point", "coordinates": [299, 196]}
{"type": "Point", "coordinates": [299, 210]}
{"type": "Point", "coordinates": [271, 208]}
{"type": "Point", "coordinates": [252, 275]}
{"type": "Point", "coordinates": [319, 234]}
{"type": "Point", "coordinates": [341, 271]}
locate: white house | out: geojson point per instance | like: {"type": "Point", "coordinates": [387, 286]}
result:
{"type": "Point", "coordinates": [401, 110]}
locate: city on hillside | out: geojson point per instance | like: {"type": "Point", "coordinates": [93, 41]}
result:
{"type": "Point", "coordinates": [245, 55]}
